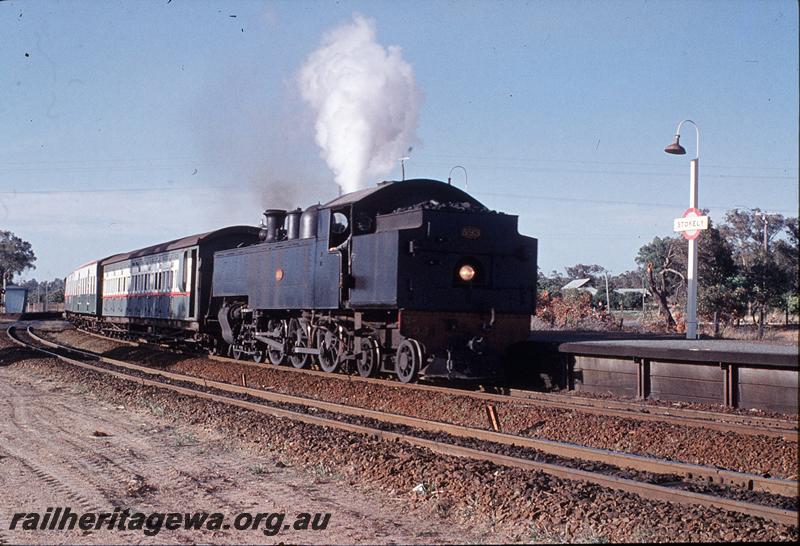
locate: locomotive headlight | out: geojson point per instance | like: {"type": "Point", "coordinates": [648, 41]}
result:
{"type": "Point", "coordinates": [466, 273]}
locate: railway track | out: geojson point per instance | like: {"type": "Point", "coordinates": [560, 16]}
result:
{"type": "Point", "coordinates": [461, 441]}
{"type": "Point", "coordinates": [725, 422]}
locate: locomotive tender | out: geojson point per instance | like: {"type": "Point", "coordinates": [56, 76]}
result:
{"type": "Point", "coordinates": [411, 278]}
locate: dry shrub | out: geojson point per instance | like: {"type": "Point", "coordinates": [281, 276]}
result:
{"type": "Point", "coordinates": [570, 311]}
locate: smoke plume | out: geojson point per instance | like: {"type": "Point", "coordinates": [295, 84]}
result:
{"type": "Point", "coordinates": [366, 102]}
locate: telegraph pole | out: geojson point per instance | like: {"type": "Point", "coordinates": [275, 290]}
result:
{"type": "Point", "coordinates": [766, 240]}
{"type": "Point", "coordinates": [763, 312]}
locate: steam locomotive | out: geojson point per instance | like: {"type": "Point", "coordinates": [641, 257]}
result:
{"type": "Point", "coordinates": [412, 278]}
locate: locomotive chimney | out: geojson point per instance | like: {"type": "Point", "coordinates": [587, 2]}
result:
{"type": "Point", "coordinates": [273, 221]}
{"type": "Point", "coordinates": [293, 223]}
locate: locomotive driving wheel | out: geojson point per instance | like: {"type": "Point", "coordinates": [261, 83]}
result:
{"type": "Point", "coordinates": [330, 346]}
{"type": "Point", "coordinates": [299, 335]}
{"type": "Point", "coordinates": [258, 355]}
{"type": "Point", "coordinates": [408, 360]}
{"type": "Point", "coordinates": [277, 356]}
{"type": "Point", "coordinates": [369, 359]}
{"type": "Point", "coordinates": [235, 351]}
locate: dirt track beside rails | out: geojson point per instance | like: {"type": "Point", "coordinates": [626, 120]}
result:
{"type": "Point", "coordinates": [755, 454]}
{"type": "Point", "coordinates": [60, 445]}
{"type": "Point", "coordinates": [232, 456]}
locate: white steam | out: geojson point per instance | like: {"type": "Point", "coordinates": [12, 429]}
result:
{"type": "Point", "coordinates": [366, 102]}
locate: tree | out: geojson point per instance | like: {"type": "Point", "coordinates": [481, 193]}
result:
{"type": "Point", "coordinates": [786, 252]}
{"type": "Point", "coordinates": [751, 233]}
{"type": "Point", "coordinates": [744, 230]}
{"type": "Point", "coordinates": [37, 290]}
{"type": "Point", "coordinates": [660, 258]}
{"type": "Point", "coordinates": [720, 289]}
{"type": "Point", "coordinates": [551, 284]}
{"type": "Point", "coordinates": [583, 271]}
{"type": "Point", "coordinates": [16, 256]}
{"type": "Point", "coordinates": [627, 279]}
{"type": "Point", "coordinates": [766, 284]}
{"type": "Point", "coordinates": [55, 290]}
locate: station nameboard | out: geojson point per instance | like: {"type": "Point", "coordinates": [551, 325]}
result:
{"type": "Point", "coordinates": [690, 224]}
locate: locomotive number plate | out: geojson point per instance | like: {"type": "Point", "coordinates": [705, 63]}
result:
{"type": "Point", "coordinates": [470, 232]}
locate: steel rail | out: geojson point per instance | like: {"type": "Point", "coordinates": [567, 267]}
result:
{"type": "Point", "coordinates": [671, 412]}
{"type": "Point", "coordinates": [640, 463]}
{"type": "Point", "coordinates": [725, 422]}
{"type": "Point", "coordinates": [644, 490]}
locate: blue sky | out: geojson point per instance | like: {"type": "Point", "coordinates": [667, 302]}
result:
{"type": "Point", "coordinates": [128, 123]}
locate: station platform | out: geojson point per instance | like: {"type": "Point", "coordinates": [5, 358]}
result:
{"type": "Point", "coordinates": [744, 374]}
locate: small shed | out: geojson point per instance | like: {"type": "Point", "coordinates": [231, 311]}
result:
{"type": "Point", "coordinates": [584, 285]}
{"type": "Point", "coordinates": [15, 299]}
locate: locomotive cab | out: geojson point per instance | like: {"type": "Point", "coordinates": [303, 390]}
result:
{"type": "Point", "coordinates": [461, 277]}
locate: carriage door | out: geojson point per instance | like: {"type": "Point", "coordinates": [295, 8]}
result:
{"type": "Point", "coordinates": [190, 279]}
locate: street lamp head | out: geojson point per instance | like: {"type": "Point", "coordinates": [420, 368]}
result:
{"type": "Point", "coordinates": [675, 147]}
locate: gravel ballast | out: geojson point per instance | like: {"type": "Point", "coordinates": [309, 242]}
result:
{"type": "Point", "coordinates": [764, 455]}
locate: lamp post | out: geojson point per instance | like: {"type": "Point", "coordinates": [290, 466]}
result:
{"type": "Point", "coordinates": [691, 277]}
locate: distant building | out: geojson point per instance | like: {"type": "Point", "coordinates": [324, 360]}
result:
{"type": "Point", "coordinates": [640, 291]}
{"type": "Point", "coordinates": [584, 285]}
{"type": "Point", "coordinates": [14, 299]}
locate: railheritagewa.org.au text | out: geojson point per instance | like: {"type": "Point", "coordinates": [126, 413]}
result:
{"type": "Point", "coordinates": [152, 523]}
